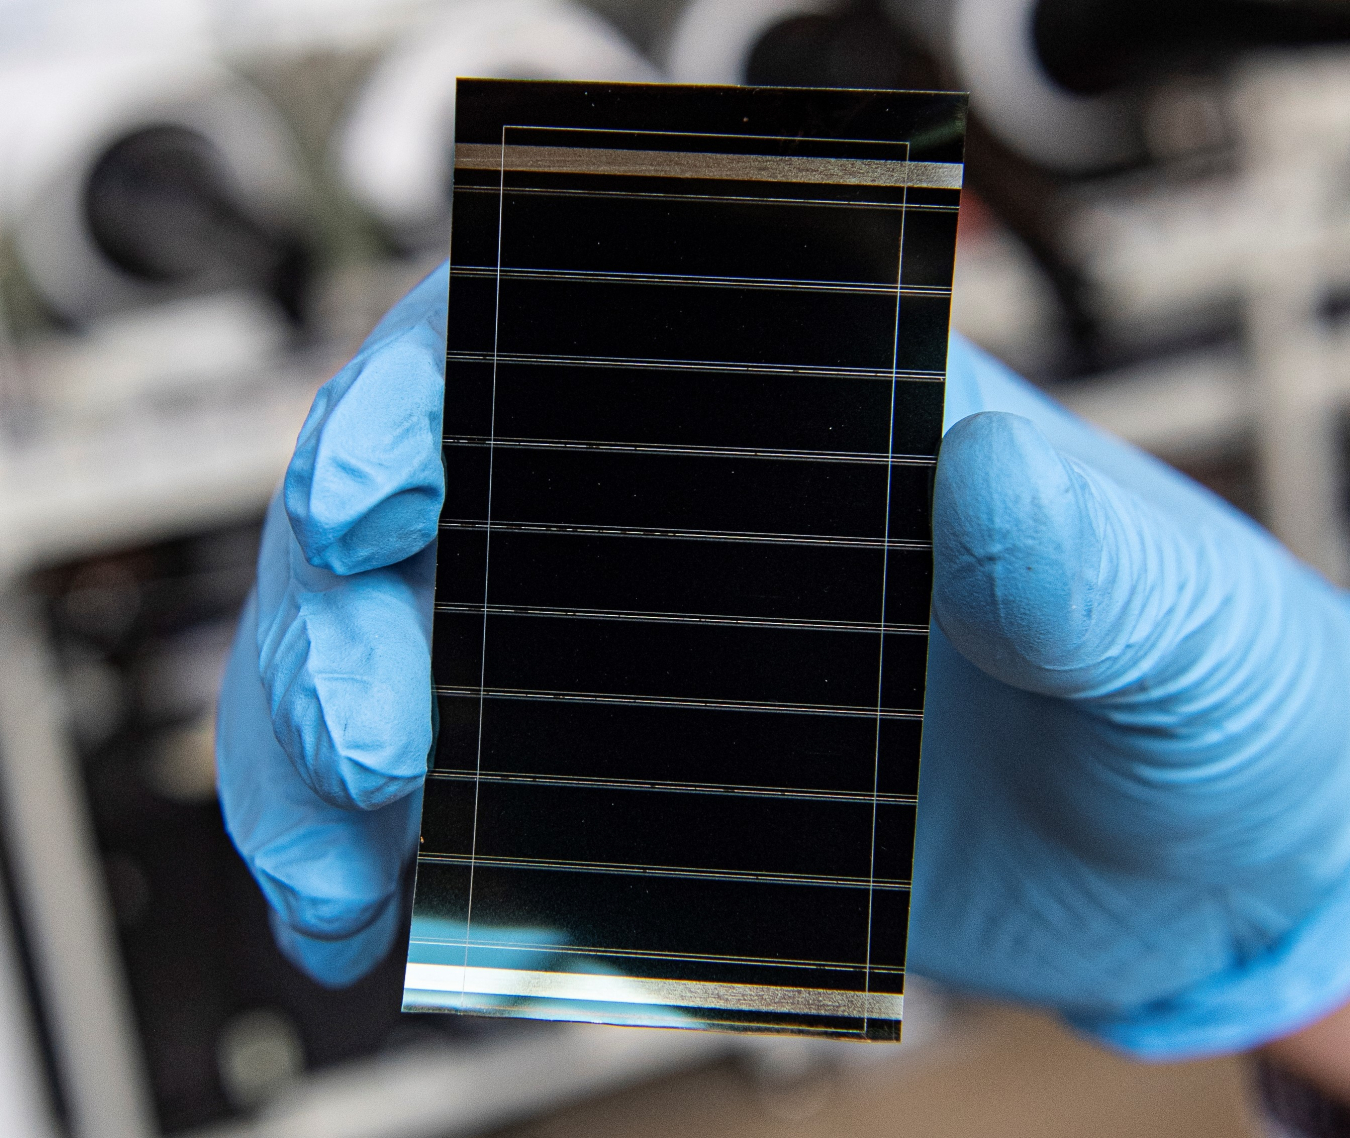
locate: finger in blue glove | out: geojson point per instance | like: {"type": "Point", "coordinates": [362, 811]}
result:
{"type": "Point", "coordinates": [325, 710]}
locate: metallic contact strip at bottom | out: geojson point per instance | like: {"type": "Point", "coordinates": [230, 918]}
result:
{"type": "Point", "coordinates": [598, 988]}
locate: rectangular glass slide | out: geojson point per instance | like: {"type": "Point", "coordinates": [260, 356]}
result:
{"type": "Point", "coordinates": [694, 392]}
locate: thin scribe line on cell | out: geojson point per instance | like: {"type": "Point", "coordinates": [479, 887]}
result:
{"type": "Point", "coordinates": [643, 363]}
{"type": "Point", "coordinates": [734, 199]}
{"type": "Point", "coordinates": [635, 132]}
{"type": "Point", "coordinates": [678, 702]}
{"type": "Point", "coordinates": [881, 651]}
{"type": "Point", "coordinates": [804, 624]}
{"type": "Point", "coordinates": [669, 786]}
{"type": "Point", "coordinates": [678, 872]}
{"type": "Point", "coordinates": [778, 455]}
{"type": "Point", "coordinates": [668, 534]}
{"type": "Point", "coordinates": [695, 280]}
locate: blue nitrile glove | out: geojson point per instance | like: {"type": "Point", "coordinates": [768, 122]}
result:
{"type": "Point", "coordinates": [1136, 776]}
{"type": "Point", "coordinates": [325, 712]}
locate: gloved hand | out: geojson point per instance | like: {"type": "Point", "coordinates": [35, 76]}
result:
{"type": "Point", "coordinates": [1135, 801]}
{"type": "Point", "coordinates": [324, 722]}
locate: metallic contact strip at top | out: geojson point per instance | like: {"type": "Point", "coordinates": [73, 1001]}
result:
{"type": "Point", "coordinates": [597, 988]}
{"type": "Point", "coordinates": [723, 167]}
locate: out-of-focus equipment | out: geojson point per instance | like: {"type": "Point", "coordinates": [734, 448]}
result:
{"type": "Point", "coordinates": [394, 149]}
{"type": "Point", "coordinates": [136, 179]}
{"type": "Point", "coordinates": [994, 53]}
{"type": "Point", "coordinates": [713, 42]}
{"type": "Point", "coordinates": [1267, 248]}
{"type": "Point", "coordinates": [1062, 81]}
{"type": "Point", "coordinates": [1062, 90]}
{"type": "Point", "coordinates": [25, 1104]}
{"type": "Point", "coordinates": [819, 43]}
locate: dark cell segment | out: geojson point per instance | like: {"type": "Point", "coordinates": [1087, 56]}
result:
{"type": "Point", "coordinates": [680, 660]}
{"type": "Point", "coordinates": [609, 318]}
{"type": "Point", "coordinates": [929, 247]}
{"type": "Point", "coordinates": [744, 409]}
{"type": "Point", "coordinates": [624, 742]}
{"type": "Point", "coordinates": [702, 237]}
{"type": "Point", "coordinates": [709, 494]}
{"type": "Point", "coordinates": [689, 833]}
{"type": "Point", "coordinates": [644, 913]}
{"type": "Point", "coordinates": [753, 580]}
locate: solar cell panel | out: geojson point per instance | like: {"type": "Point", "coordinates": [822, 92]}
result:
{"type": "Point", "coordinates": [694, 389]}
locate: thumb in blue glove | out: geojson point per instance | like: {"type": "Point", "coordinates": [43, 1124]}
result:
{"type": "Point", "coordinates": [1136, 746]}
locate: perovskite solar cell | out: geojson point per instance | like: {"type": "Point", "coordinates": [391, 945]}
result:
{"type": "Point", "coordinates": [694, 388]}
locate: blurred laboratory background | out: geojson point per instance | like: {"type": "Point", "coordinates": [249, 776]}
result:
{"type": "Point", "coordinates": [206, 204]}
